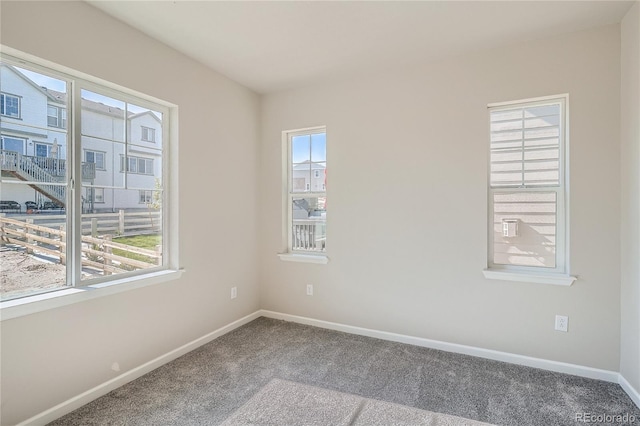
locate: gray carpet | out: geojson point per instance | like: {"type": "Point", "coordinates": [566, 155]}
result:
{"type": "Point", "coordinates": [282, 402]}
{"type": "Point", "coordinates": [207, 385]}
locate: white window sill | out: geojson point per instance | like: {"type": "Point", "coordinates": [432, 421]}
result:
{"type": "Point", "coordinates": [41, 302]}
{"type": "Point", "coordinates": [526, 277]}
{"type": "Point", "coordinates": [304, 258]}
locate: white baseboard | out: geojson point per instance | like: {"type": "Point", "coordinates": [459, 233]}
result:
{"type": "Point", "coordinates": [560, 367]}
{"type": "Point", "coordinates": [633, 393]}
{"type": "Point", "coordinates": [84, 398]}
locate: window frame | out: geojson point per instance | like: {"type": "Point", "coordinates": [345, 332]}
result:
{"type": "Point", "coordinates": [559, 275]}
{"type": "Point", "coordinates": [107, 285]}
{"type": "Point", "coordinates": [288, 254]}
{"type": "Point", "coordinates": [3, 105]}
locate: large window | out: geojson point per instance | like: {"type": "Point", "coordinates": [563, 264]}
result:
{"type": "Point", "coordinates": [306, 206]}
{"type": "Point", "coordinates": [527, 186]}
{"type": "Point", "coordinates": [93, 232]}
{"type": "Point", "coordinates": [9, 105]}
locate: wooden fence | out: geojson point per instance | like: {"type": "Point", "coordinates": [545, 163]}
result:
{"type": "Point", "coordinates": [97, 253]}
{"type": "Point", "coordinates": [121, 223]}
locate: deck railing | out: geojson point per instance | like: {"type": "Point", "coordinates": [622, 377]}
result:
{"type": "Point", "coordinates": [309, 234]}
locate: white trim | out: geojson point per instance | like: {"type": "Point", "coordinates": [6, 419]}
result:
{"type": "Point", "coordinates": [633, 393]}
{"type": "Point", "coordinates": [15, 308]}
{"type": "Point", "coordinates": [560, 367]}
{"type": "Point", "coordinates": [527, 277]}
{"type": "Point", "coordinates": [304, 258]}
{"type": "Point", "coordinates": [78, 401]}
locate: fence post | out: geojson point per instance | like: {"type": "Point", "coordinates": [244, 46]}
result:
{"type": "Point", "coordinates": [94, 227]}
{"type": "Point", "coordinates": [27, 232]}
{"type": "Point", "coordinates": [107, 250]}
{"type": "Point", "coordinates": [159, 252]}
{"type": "Point", "coordinates": [63, 241]}
{"type": "Point", "coordinates": [121, 221]}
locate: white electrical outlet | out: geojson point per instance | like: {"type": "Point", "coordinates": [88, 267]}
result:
{"type": "Point", "coordinates": [234, 292]}
{"type": "Point", "coordinates": [309, 289]}
{"type": "Point", "coordinates": [562, 323]}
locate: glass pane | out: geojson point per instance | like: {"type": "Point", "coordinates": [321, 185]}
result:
{"type": "Point", "coordinates": [309, 224]}
{"type": "Point", "coordinates": [33, 186]}
{"type": "Point", "coordinates": [301, 178]}
{"type": "Point", "coordinates": [122, 203]}
{"type": "Point", "coordinates": [535, 241]}
{"type": "Point", "coordinates": [300, 149]}
{"type": "Point", "coordinates": [319, 147]}
{"type": "Point", "coordinates": [318, 177]}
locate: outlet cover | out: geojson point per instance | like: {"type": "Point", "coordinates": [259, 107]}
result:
{"type": "Point", "coordinates": [562, 323]}
{"type": "Point", "coordinates": [234, 292]}
{"type": "Point", "coordinates": [309, 289]}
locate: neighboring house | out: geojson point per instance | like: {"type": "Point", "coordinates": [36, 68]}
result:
{"type": "Point", "coordinates": [33, 126]}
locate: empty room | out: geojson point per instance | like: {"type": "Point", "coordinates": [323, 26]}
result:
{"type": "Point", "coordinates": [327, 213]}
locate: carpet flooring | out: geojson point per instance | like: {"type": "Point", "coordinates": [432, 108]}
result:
{"type": "Point", "coordinates": [282, 402]}
{"type": "Point", "coordinates": [209, 384]}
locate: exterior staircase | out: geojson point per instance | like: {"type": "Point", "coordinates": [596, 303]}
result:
{"type": "Point", "coordinates": [42, 173]}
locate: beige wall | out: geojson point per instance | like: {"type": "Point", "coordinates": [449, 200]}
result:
{"type": "Point", "coordinates": [407, 199]}
{"type": "Point", "coordinates": [630, 226]}
{"type": "Point", "coordinates": [52, 356]}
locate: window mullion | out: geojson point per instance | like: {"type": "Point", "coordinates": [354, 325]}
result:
{"type": "Point", "coordinates": [74, 212]}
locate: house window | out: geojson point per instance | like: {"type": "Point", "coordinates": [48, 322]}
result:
{"type": "Point", "coordinates": [527, 187]}
{"type": "Point", "coordinates": [148, 134]}
{"type": "Point", "coordinates": [112, 252]}
{"type": "Point", "coordinates": [146, 196]}
{"type": "Point", "coordinates": [56, 116]}
{"type": "Point", "coordinates": [9, 105]}
{"type": "Point", "coordinates": [95, 157]}
{"type": "Point", "coordinates": [94, 194]}
{"type": "Point", "coordinates": [13, 144]}
{"type": "Point", "coordinates": [136, 165]}
{"type": "Point", "coordinates": [306, 214]}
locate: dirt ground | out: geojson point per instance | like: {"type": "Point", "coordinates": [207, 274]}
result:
{"type": "Point", "coordinates": [22, 273]}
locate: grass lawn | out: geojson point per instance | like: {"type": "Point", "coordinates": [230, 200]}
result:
{"type": "Point", "coordinates": [143, 241]}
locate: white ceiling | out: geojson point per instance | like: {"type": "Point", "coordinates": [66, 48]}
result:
{"type": "Point", "coordinates": [271, 46]}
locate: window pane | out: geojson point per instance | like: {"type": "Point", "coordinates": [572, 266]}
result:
{"type": "Point", "coordinates": [301, 178]}
{"type": "Point", "coordinates": [300, 149]}
{"type": "Point", "coordinates": [33, 187]}
{"type": "Point", "coordinates": [309, 229]}
{"type": "Point", "coordinates": [536, 217]}
{"type": "Point", "coordinates": [319, 147]}
{"type": "Point", "coordinates": [119, 233]}
{"type": "Point", "coordinates": [318, 177]}
{"type": "Point", "coordinates": [525, 146]}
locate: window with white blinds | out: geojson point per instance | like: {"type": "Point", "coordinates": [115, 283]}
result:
{"type": "Point", "coordinates": [527, 191]}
